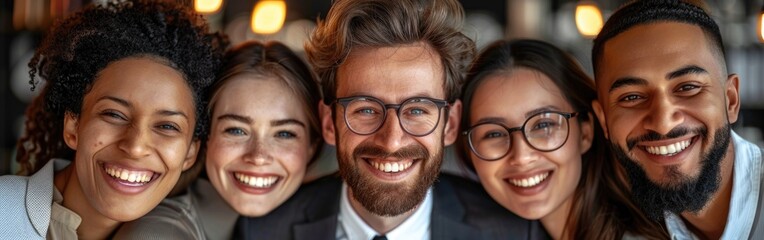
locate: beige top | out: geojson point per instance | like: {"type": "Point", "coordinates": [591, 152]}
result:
{"type": "Point", "coordinates": [200, 214]}
{"type": "Point", "coordinates": [63, 222]}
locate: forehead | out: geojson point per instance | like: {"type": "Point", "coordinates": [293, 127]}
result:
{"type": "Point", "coordinates": [651, 51]}
{"type": "Point", "coordinates": [253, 93]}
{"type": "Point", "coordinates": [392, 74]}
{"type": "Point", "coordinates": [140, 78]}
{"type": "Point", "coordinates": [514, 94]}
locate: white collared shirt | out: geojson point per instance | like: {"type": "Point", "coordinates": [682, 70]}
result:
{"type": "Point", "coordinates": [351, 226]}
{"type": "Point", "coordinates": [746, 179]}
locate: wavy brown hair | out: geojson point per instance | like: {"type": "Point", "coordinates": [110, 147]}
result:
{"type": "Point", "coordinates": [602, 207]}
{"type": "Point", "coordinates": [383, 23]}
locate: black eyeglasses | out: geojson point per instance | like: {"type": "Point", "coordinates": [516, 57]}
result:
{"type": "Point", "coordinates": [545, 131]}
{"type": "Point", "coordinates": [418, 116]}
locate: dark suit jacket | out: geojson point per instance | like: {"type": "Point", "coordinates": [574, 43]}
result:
{"type": "Point", "coordinates": [461, 210]}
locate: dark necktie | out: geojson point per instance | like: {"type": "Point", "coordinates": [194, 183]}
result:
{"type": "Point", "coordinates": [379, 237]}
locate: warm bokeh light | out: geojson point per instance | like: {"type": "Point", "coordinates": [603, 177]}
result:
{"type": "Point", "coordinates": [207, 6]}
{"type": "Point", "coordinates": [268, 16]}
{"type": "Point", "coordinates": [588, 19]}
{"type": "Point", "coordinates": [761, 25]}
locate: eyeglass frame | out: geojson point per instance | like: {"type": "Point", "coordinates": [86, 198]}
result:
{"type": "Point", "coordinates": [345, 101]}
{"type": "Point", "coordinates": [521, 128]}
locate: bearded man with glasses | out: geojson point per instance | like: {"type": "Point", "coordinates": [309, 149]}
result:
{"type": "Point", "coordinates": [391, 73]}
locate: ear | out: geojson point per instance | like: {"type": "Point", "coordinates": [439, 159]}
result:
{"type": "Point", "coordinates": [193, 150]}
{"type": "Point", "coordinates": [70, 130]}
{"type": "Point", "coordinates": [452, 125]}
{"type": "Point", "coordinates": [587, 133]}
{"type": "Point", "coordinates": [327, 123]}
{"type": "Point", "coordinates": [600, 116]}
{"type": "Point", "coordinates": [733, 97]}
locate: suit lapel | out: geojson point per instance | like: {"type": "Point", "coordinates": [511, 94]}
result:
{"type": "Point", "coordinates": [322, 229]}
{"type": "Point", "coordinates": [322, 213]}
{"type": "Point", "coordinates": [448, 214]}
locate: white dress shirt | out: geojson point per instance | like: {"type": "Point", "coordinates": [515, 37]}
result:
{"type": "Point", "coordinates": [351, 226]}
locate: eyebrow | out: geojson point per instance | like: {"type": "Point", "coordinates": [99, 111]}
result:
{"type": "Point", "coordinates": [627, 81]}
{"type": "Point", "coordinates": [119, 101]}
{"type": "Point", "coordinates": [235, 117]}
{"type": "Point", "coordinates": [540, 110]}
{"type": "Point", "coordinates": [282, 122]}
{"type": "Point", "coordinates": [632, 81]}
{"type": "Point", "coordinates": [527, 115]}
{"type": "Point", "coordinates": [248, 120]}
{"type": "Point", "coordinates": [127, 104]}
{"type": "Point", "coordinates": [692, 69]}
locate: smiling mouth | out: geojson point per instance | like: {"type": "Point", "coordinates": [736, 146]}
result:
{"type": "Point", "coordinates": [256, 182]}
{"type": "Point", "coordinates": [132, 177]}
{"type": "Point", "coordinates": [391, 167]}
{"type": "Point", "coordinates": [670, 149]}
{"type": "Point", "coordinates": [530, 181]}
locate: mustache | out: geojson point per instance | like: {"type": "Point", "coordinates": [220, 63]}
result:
{"type": "Point", "coordinates": [674, 133]}
{"type": "Point", "coordinates": [373, 151]}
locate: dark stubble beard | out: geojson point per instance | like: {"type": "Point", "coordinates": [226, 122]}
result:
{"type": "Point", "coordinates": [386, 199]}
{"type": "Point", "coordinates": [683, 193]}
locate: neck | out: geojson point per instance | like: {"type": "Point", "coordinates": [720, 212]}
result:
{"type": "Point", "coordinates": [555, 223]}
{"type": "Point", "coordinates": [381, 224]}
{"type": "Point", "coordinates": [94, 225]}
{"type": "Point", "coordinates": [709, 222]}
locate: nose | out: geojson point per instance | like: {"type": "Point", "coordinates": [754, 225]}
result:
{"type": "Point", "coordinates": [663, 116]}
{"type": "Point", "coordinates": [258, 154]}
{"type": "Point", "coordinates": [136, 142]}
{"type": "Point", "coordinates": [520, 152]}
{"type": "Point", "coordinates": [391, 135]}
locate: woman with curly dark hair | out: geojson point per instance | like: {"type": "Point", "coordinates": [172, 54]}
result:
{"type": "Point", "coordinates": [264, 132]}
{"type": "Point", "coordinates": [123, 100]}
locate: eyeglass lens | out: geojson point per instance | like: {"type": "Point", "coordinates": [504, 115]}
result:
{"type": "Point", "coordinates": [544, 132]}
{"type": "Point", "coordinates": [417, 116]}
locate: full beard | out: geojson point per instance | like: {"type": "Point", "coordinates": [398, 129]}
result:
{"type": "Point", "coordinates": [389, 199]}
{"type": "Point", "coordinates": [682, 193]}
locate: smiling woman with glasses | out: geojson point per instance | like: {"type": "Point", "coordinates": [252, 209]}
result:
{"type": "Point", "coordinates": [530, 135]}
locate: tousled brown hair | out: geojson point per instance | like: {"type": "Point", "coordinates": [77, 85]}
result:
{"type": "Point", "coordinates": [383, 23]}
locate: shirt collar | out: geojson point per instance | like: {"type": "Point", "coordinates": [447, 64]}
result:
{"type": "Point", "coordinates": [417, 226]}
{"type": "Point", "coordinates": [746, 179]}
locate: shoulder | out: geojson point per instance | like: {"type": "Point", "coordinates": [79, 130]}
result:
{"type": "Point", "coordinates": [454, 196]}
{"type": "Point", "coordinates": [173, 218]}
{"type": "Point", "coordinates": [317, 201]}
{"type": "Point", "coordinates": [470, 194]}
{"type": "Point", "coordinates": [26, 204]}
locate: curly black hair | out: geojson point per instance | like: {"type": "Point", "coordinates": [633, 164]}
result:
{"type": "Point", "coordinates": [651, 11]}
{"type": "Point", "coordinates": [77, 48]}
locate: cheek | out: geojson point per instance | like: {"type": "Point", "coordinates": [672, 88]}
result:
{"type": "Point", "coordinates": [173, 152]}
{"type": "Point", "coordinates": [619, 126]}
{"type": "Point", "coordinates": [220, 155]}
{"type": "Point", "coordinates": [488, 172]}
{"type": "Point", "coordinates": [569, 162]}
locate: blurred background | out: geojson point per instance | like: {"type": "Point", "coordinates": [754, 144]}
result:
{"type": "Point", "coordinates": [569, 24]}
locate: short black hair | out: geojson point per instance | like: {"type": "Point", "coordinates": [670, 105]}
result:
{"type": "Point", "coordinates": [652, 11]}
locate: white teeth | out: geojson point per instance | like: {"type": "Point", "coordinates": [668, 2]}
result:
{"type": "Point", "coordinates": [391, 166]}
{"type": "Point", "coordinates": [529, 182]}
{"type": "Point", "coordinates": [669, 150]}
{"type": "Point", "coordinates": [129, 176]}
{"type": "Point", "coordinates": [258, 182]}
